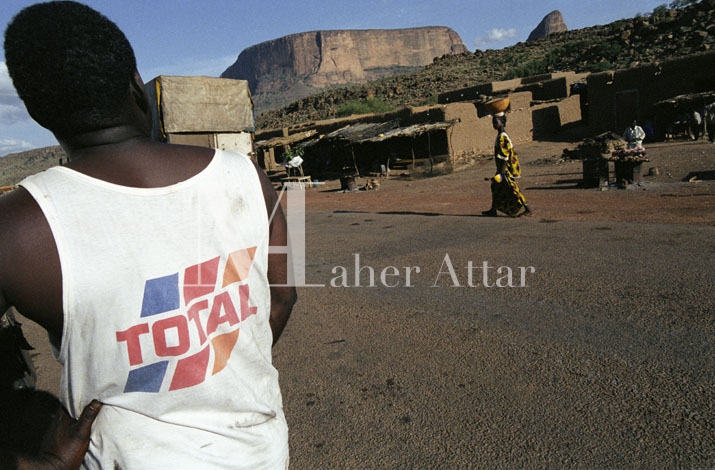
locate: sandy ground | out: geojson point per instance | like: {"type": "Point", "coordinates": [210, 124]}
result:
{"type": "Point", "coordinates": [602, 358]}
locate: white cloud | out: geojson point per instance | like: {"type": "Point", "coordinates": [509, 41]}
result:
{"type": "Point", "coordinates": [12, 110]}
{"type": "Point", "coordinates": [14, 145]}
{"type": "Point", "coordinates": [19, 131]}
{"type": "Point", "coordinates": [11, 114]}
{"type": "Point", "coordinates": [495, 35]}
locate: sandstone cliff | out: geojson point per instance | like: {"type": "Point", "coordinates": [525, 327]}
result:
{"type": "Point", "coordinates": [294, 66]}
{"type": "Point", "coordinates": [552, 23]}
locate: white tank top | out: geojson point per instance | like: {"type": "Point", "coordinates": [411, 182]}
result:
{"type": "Point", "coordinates": [166, 317]}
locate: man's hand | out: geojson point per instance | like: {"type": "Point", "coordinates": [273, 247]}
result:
{"type": "Point", "coordinates": [65, 442]}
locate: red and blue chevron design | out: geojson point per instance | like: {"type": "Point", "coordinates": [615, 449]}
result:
{"type": "Point", "coordinates": [189, 324]}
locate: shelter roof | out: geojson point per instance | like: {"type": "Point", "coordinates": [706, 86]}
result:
{"type": "Point", "coordinates": [379, 132]}
{"type": "Point", "coordinates": [361, 131]}
{"type": "Point", "coordinates": [688, 99]}
{"type": "Point", "coordinates": [410, 131]}
{"type": "Point", "coordinates": [287, 140]}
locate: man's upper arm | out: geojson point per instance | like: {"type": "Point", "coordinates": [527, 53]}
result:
{"type": "Point", "coordinates": [4, 265]}
{"type": "Point", "coordinates": [283, 295]}
{"type": "Point", "coordinates": [29, 262]}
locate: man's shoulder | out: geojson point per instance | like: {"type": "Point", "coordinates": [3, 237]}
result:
{"type": "Point", "coordinates": [19, 213]}
{"type": "Point", "coordinates": [22, 221]}
{"type": "Point", "coordinates": [15, 202]}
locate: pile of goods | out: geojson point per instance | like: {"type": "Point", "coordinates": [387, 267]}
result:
{"type": "Point", "coordinates": [595, 148]}
{"type": "Point", "coordinates": [608, 146]}
{"type": "Point", "coordinates": [596, 153]}
{"type": "Point", "coordinates": [636, 155]}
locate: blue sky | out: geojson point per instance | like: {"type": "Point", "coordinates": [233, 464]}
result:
{"type": "Point", "coordinates": [191, 37]}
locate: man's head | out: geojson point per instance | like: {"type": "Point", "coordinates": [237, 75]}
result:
{"type": "Point", "coordinates": [70, 65]}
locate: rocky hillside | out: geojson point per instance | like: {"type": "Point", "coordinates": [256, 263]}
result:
{"type": "Point", "coordinates": [292, 67]}
{"type": "Point", "coordinates": [15, 166]}
{"type": "Point", "coordinates": [663, 34]}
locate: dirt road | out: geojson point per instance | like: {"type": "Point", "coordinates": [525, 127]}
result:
{"type": "Point", "coordinates": [580, 337]}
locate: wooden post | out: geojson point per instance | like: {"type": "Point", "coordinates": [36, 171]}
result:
{"type": "Point", "coordinates": [357, 172]}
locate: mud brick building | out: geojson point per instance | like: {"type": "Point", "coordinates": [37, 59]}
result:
{"type": "Point", "coordinates": [431, 139]}
{"type": "Point", "coordinates": [616, 98]}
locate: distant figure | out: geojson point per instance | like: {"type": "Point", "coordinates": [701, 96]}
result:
{"type": "Point", "coordinates": [688, 123]}
{"type": "Point", "coordinates": [696, 125]}
{"type": "Point", "coordinates": [634, 135]}
{"type": "Point", "coordinates": [710, 121]}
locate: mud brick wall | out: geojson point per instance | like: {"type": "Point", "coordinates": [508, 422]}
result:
{"type": "Point", "coordinates": [474, 133]}
{"type": "Point", "coordinates": [549, 118]}
{"type": "Point", "coordinates": [519, 124]}
{"type": "Point", "coordinates": [549, 76]}
{"type": "Point", "coordinates": [471, 135]}
{"type": "Point", "coordinates": [458, 96]}
{"type": "Point", "coordinates": [476, 92]}
{"type": "Point", "coordinates": [548, 89]}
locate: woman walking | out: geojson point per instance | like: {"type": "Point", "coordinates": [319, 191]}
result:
{"type": "Point", "coordinates": [506, 196]}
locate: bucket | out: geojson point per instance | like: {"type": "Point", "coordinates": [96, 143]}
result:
{"type": "Point", "coordinates": [497, 105]}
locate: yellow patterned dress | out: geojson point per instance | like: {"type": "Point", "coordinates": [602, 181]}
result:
{"type": "Point", "coordinates": [506, 196]}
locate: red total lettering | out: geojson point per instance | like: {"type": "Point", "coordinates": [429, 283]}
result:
{"type": "Point", "coordinates": [223, 310]}
{"type": "Point", "coordinates": [246, 310]}
{"type": "Point", "coordinates": [194, 315]}
{"type": "Point", "coordinates": [222, 303]}
{"type": "Point", "coordinates": [159, 329]}
{"type": "Point", "coordinates": [134, 347]}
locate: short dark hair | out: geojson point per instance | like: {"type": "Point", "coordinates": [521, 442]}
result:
{"type": "Point", "coordinates": [70, 65]}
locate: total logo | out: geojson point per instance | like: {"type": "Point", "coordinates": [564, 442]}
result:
{"type": "Point", "coordinates": [188, 324]}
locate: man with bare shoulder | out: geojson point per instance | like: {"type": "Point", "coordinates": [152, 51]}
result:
{"type": "Point", "coordinates": [147, 263]}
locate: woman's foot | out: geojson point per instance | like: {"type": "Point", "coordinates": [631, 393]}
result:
{"type": "Point", "coordinates": [527, 212]}
{"type": "Point", "coordinates": [490, 213]}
